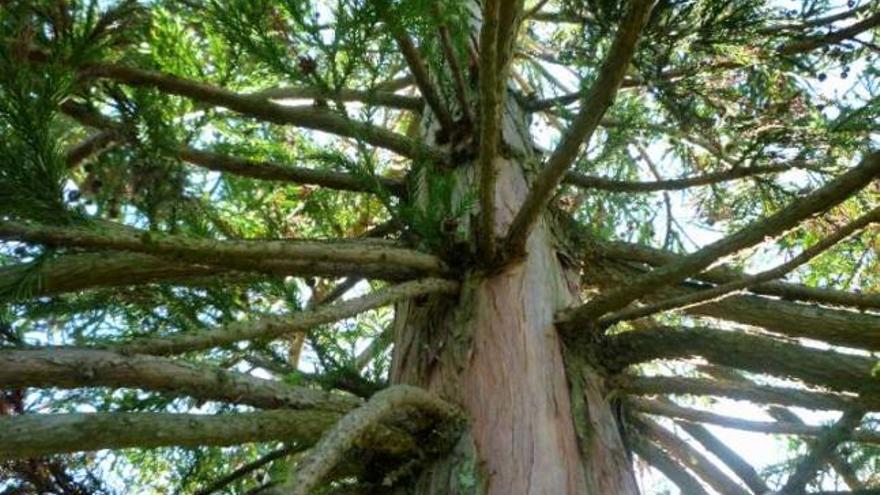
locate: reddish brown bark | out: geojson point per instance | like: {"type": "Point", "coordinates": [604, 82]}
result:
{"type": "Point", "coordinates": [495, 352]}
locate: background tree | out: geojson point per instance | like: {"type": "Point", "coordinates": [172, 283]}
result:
{"type": "Point", "coordinates": [400, 246]}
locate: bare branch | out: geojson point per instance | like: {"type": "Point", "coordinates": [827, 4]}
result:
{"type": "Point", "coordinates": [510, 13]}
{"type": "Point", "coordinates": [351, 428]}
{"type": "Point", "coordinates": [689, 456]}
{"type": "Point", "coordinates": [423, 80]}
{"type": "Point", "coordinates": [271, 327]}
{"type": "Point", "coordinates": [491, 100]}
{"type": "Point", "coordinates": [752, 353]}
{"type": "Point", "coordinates": [837, 462]}
{"type": "Point", "coordinates": [812, 23]}
{"type": "Point", "coordinates": [597, 100]}
{"type": "Point", "coordinates": [834, 326]}
{"type": "Point", "coordinates": [91, 145]}
{"type": "Point", "coordinates": [85, 271]}
{"type": "Point", "coordinates": [724, 274]}
{"type": "Point", "coordinates": [603, 184]}
{"type": "Point", "coordinates": [75, 368]}
{"type": "Point", "coordinates": [719, 291]}
{"type": "Point", "coordinates": [376, 347]}
{"type": "Point", "coordinates": [728, 456]}
{"type": "Point", "coordinates": [34, 435]}
{"type": "Point", "coordinates": [752, 392]}
{"type": "Point", "coordinates": [699, 416]}
{"type": "Point", "coordinates": [821, 450]}
{"type": "Point", "coordinates": [834, 37]}
{"type": "Point", "coordinates": [630, 82]}
{"type": "Point", "coordinates": [656, 457]}
{"type": "Point", "coordinates": [248, 468]}
{"type": "Point", "coordinates": [396, 84]}
{"type": "Point", "coordinates": [827, 196]}
{"type": "Point", "coordinates": [276, 171]}
{"type": "Point", "coordinates": [243, 255]}
{"type": "Point", "coordinates": [458, 78]}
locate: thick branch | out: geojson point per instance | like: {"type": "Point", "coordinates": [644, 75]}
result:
{"type": "Point", "coordinates": [350, 429]}
{"type": "Point", "coordinates": [821, 450]}
{"type": "Point", "coordinates": [74, 368]}
{"type": "Point", "coordinates": [458, 79]}
{"type": "Point", "coordinates": [597, 100]}
{"type": "Point", "coordinates": [698, 416]}
{"type": "Point", "coordinates": [243, 255]}
{"type": "Point", "coordinates": [747, 352]}
{"type": "Point", "coordinates": [827, 196]}
{"type": "Point", "coordinates": [308, 117]}
{"type": "Point", "coordinates": [510, 14]}
{"type": "Point", "coordinates": [423, 80]}
{"type": "Point", "coordinates": [719, 291]}
{"type": "Point", "coordinates": [655, 456]}
{"type": "Point", "coordinates": [272, 327]}
{"type": "Point", "coordinates": [728, 456]}
{"type": "Point", "coordinates": [834, 37]}
{"type": "Point", "coordinates": [760, 394]}
{"type": "Point", "coordinates": [275, 171]}
{"type": "Point", "coordinates": [491, 98]}
{"type": "Point", "coordinates": [86, 271]}
{"type": "Point", "coordinates": [785, 415]}
{"type": "Point", "coordinates": [835, 326]}
{"type": "Point", "coordinates": [689, 456]}
{"type": "Point", "coordinates": [724, 274]}
{"type": "Point", "coordinates": [812, 23]}
{"type": "Point", "coordinates": [33, 435]}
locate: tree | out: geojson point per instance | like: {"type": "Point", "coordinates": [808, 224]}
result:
{"type": "Point", "coordinates": [206, 209]}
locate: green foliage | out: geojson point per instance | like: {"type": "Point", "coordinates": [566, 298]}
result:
{"type": "Point", "coordinates": [32, 167]}
{"type": "Point", "coordinates": [438, 209]}
{"type": "Point", "coordinates": [707, 93]}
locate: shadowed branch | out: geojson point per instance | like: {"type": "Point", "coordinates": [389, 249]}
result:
{"type": "Point", "coordinates": [596, 101]}
{"type": "Point", "coordinates": [756, 354]}
{"type": "Point", "coordinates": [827, 196]}
{"type": "Point", "coordinates": [721, 290]}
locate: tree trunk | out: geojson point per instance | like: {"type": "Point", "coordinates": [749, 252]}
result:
{"type": "Point", "coordinates": [539, 423]}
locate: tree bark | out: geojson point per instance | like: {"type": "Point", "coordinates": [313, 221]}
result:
{"type": "Point", "coordinates": [538, 419]}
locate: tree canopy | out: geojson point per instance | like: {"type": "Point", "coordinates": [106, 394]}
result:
{"type": "Point", "coordinates": [210, 209]}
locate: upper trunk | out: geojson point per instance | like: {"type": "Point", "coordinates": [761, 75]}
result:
{"type": "Point", "coordinates": [538, 419]}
